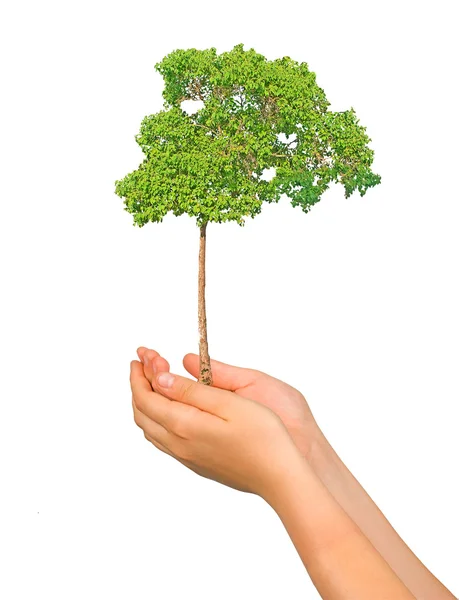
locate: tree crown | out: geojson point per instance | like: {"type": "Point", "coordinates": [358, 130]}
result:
{"type": "Point", "coordinates": [210, 164]}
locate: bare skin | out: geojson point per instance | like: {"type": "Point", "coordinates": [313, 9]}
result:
{"type": "Point", "coordinates": [290, 406]}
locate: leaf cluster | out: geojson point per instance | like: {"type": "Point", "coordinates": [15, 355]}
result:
{"type": "Point", "coordinates": [210, 164]}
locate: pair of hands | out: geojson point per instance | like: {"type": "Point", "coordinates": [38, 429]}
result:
{"type": "Point", "coordinates": [244, 431]}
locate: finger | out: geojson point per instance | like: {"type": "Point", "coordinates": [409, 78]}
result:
{"type": "Point", "coordinates": [155, 430]}
{"type": "Point", "coordinates": [137, 379]}
{"type": "Point", "coordinates": [186, 391]}
{"type": "Point", "coordinates": [141, 350]}
{"type": "Point", "coordinates": [158, 445]}
{"type": "Point", "coordinates": [179, 419]}
{"type": "Point", "coordinates": [184, 462]}
{"type": "Point", "coordinates": [224, 376]}
{"type": "Point", "coordinates": [160, 364]}
{"type": "Point", "coordinates": [146, 355]}
{"type": "Point", "coordinates": [155, 406]}
{"type": "Point", "coordinates": [152, 362]}
{"type": "Point", "coordinates": [156, 364]}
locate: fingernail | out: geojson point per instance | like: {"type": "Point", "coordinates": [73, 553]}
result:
{"type": "Point", "coordinates": [165, 380]}
{"type": "Point", "coordinates": [146, 362]}
{"type": "Point", "coordinates": [153, 366]}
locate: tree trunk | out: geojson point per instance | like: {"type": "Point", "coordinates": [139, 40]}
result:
{"type": "Point", "coordinates": [205, 372]}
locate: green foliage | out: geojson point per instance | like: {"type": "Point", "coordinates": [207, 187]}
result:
{"type": "Point", "coordinates": [209, 164]}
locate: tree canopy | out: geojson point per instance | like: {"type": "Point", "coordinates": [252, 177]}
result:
{"type": "Point", "coordinates": [210, 164]}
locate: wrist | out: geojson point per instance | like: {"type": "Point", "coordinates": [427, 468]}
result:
{"type": "Point", "coordinates": [334, 550]}
{"type": "Point", "coordinates": [319, 454]}
{"type": "Point", "coordinates": [310, 514]}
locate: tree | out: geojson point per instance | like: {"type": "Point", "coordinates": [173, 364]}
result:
{"type": "Point", "coordinates": [210, 164]}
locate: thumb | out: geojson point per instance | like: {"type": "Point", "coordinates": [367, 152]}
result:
{"type": "Point", "coordinates": [184, 390]}
{"type": "Point", "coordinates": [224, 376]}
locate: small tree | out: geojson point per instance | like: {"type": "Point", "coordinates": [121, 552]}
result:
{"type": "Point", "coordinates": [210, 164]}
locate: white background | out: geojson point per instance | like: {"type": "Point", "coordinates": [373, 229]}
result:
{"type": "Point", "coordinates": [355, 303]}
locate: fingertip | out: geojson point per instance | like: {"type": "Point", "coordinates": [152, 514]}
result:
{"type": "Point", "coordinates": [160, 363]}
{"type": "Point", "coordinates": [189, 358]}
{"type": "Point", "coordinates": [132, 367]}
{"type": "Point", "coordinates": [191, 363]}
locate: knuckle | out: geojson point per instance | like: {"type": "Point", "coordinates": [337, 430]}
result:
{"type": "Point", "coordinates": [139, 402]}
{"type": "Point", "coordinates": [183, 422]}
{"type": "Point", "coordinates": [173, 423]}
{"type": "Point", "coordinates": [182, 452]}
{"type": "Point", "coordinates": [154, 442]}
{"type": "Point", "coordinates": [187, 391]}
{"type": "Point", "coordinates": [256, 374]}
{"type": "Point", "coordinates": [180, 427]}
{"type": "Point", "coordinates": [137, 418]}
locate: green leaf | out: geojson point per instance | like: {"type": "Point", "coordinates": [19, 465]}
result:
{"type": "Point", "coordinates": [208, 165]}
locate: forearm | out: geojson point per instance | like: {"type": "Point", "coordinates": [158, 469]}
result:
{"type": "Point", "coordinates": [348, 492]}
{"type": "Point", "coordinates": [340, 560]}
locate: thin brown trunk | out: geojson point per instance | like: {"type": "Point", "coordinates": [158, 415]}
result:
{"type": "Point", "coordinates": [205, 372]}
